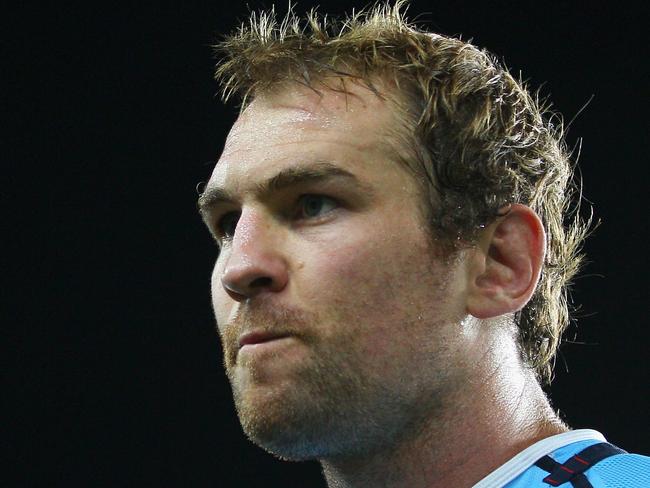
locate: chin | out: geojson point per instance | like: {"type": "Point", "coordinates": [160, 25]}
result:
{"type": "Point", "coordinates": [304, 427]}
{"type": "Point", "coordinates": [289, 447]}
{"type": "Point", "coordinates": [286, 427]}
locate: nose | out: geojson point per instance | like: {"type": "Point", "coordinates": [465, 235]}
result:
{"type": "Point", "coordinates": [254, 264]}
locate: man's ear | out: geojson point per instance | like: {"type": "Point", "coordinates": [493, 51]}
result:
{"type": "Point", "coordinates": [506, 263]}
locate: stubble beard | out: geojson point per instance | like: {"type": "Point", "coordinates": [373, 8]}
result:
{"type": "Point", "coordinates": [331, 406]}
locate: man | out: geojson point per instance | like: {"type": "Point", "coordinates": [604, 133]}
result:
{"type": "Point", "coordinates": [390, 288]}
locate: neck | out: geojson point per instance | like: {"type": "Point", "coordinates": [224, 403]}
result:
{"type": "Point", "coordinates": [492, 417]}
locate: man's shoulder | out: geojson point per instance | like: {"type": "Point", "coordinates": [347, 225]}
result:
{"type": "Point", "coordinates": [577, 458]}
{"type": "Point", "coordinates": [621, 470]}
{"type": "Point", "coordinates": [614, 469]}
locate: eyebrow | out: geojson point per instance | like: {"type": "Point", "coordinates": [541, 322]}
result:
{"type": "Point", "coordinates": [314, 173]}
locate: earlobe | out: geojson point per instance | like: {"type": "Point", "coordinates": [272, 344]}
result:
{"type": "Point", "coordinates": [506, 263]}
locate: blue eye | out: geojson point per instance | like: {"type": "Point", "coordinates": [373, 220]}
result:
{"type": "Point", "coordinates": [311, 206]}
{"type": "Point", "coordinates": [228, 224]}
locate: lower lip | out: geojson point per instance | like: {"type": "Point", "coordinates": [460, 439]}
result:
{"type": "Point", "coordinates": [266, 346]}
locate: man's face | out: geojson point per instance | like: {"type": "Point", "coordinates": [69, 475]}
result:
{"type": "Point", "coordinates": [340, 326]}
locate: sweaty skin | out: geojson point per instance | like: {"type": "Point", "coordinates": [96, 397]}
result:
{"type": "Point", "coordinates": [362, 353]}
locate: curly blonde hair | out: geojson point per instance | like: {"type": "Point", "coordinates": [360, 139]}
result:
{"type": "Point", "coordinates": [472, 134]}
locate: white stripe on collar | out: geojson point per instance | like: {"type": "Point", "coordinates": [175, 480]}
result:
{"type": "Point", "coordinates": [529, 456]}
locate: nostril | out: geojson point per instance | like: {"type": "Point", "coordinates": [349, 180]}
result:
{"type": "Point", "coordinates": [235, 295]}
{"type": "Point", "coordinates": [261, 282]}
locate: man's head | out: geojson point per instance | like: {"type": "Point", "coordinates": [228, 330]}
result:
{"type": "Point", "coordinates": [373, 198]}
{"type": "Point", "coordinates": [322, 241]}
{"type": "Point", "coordinates": [473, 137]}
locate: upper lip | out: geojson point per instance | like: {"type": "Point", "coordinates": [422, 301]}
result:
{"type": "Point", "coordinates": [256, 337]}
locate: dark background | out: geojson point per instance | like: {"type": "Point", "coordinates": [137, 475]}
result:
{"type": "Point", "coordinates": [109, 120]}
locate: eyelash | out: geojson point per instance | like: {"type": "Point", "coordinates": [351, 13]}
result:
{"type": "Point", "coordinates": [223, 234]}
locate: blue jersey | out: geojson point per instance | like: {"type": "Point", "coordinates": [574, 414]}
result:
{"type": "Point", "coordinates": [579, 458]}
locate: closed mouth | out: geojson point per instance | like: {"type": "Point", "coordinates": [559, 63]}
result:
{"type": "Point", "coordinates": [259, 337]}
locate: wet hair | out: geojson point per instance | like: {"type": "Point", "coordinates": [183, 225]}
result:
{"type": "Point", "coordinates": [473, 135]}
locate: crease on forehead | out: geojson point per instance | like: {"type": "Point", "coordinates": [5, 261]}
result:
{"type": "Point", "coordinates": [301, 109]}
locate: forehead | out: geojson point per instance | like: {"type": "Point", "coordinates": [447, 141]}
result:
{"type": "Point", "coordinates": [298, 107]}
{"type": "Point", "coordinates": [296, 124]}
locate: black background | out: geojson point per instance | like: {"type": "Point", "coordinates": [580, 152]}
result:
{"type": "Point", "coordinates": [109, 120]}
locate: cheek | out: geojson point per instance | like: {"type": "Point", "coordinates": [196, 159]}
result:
{"type": "Point", "coordinates": [379, 292]}
{"type": "Point", "coordinates": [221, 302]}
{"type": "Point", "coordinates": [358, 283]}
{"type": "Point", "coordinates": [368, 260]}
{"type": "Point", "coordinates": [367, 308]}
{"type": "Point", "coordinates": [351, 266]}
